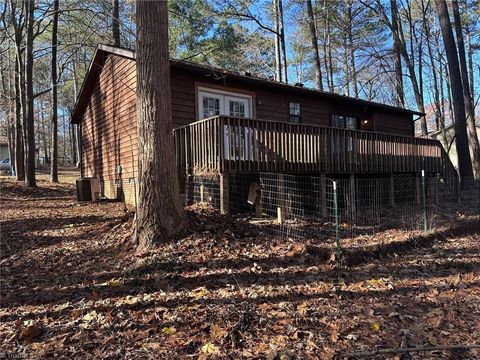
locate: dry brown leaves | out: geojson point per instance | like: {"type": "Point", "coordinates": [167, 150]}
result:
{"type": "Point", "coordinates": [72, 287]}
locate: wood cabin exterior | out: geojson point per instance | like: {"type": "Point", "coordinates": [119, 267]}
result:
{"type": "Point", "coordinates": [226, 123]}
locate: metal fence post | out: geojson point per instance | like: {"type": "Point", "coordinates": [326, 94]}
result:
{"type": "Point", "coordinates": [424, 202]}
{"type": "Point", "coordinates": [335, 210]}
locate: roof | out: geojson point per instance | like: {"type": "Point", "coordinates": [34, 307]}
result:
{"type": "Point", "coordinates": [452, 126]}
{"type": "Point", "coordinates": [103, 51]}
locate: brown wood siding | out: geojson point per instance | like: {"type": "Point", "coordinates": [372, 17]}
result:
{"type": "Point", "coordinates": [393, 123]}
{"type": "Point", "coordinates": [109, 131]}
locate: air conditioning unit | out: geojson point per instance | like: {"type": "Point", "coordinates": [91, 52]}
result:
{"type": "Point", "coordinates": [88, 189]}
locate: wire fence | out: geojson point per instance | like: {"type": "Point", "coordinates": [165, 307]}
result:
{"type": "Point", "coordinates": [320, 208]}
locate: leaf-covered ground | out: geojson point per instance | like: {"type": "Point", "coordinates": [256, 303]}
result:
{"type": "Point", "coordinates": [72, 287]}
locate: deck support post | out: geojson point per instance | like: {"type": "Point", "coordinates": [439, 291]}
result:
{"type": "Point", "coordinates": [258, 207]}
{"type": "Point", "coordinates": [282, 209]}
{"type": "Point", "coordinates": [224, 194]}
{"type": "Point", "coordinates": [189, 194]}
{"type": "Point", "coordinates": [323, 195]}
{"type": "Point", "coordinates": [353, 197]}
{"type": "Point", "coordinates": [202, 192]}
{"type": "Point", "coordinates": [435, 188]}
{"type": "Point", "coordinates": [418, 190]}
{"type": "Point", "coordinates": [392, 190]}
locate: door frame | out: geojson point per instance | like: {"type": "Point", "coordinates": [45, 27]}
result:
{"type": "Point", "coordinates": [224, 91]}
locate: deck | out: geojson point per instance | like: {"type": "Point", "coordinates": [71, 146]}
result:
{"type": "Point", "coordinates": [221, 145]}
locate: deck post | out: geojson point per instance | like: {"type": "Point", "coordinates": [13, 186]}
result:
{"type": "Point", "coordinates": [353, 197]}
{"type": "Point", "coordinates": [436, 180]}
{"type": "Point", "coordinates": [224, 194]}
{"type": "Point", "coordinates": [392, 190]}
{"type": "Point", "coordinates": [190, 189]}
{"type": "Point", "coordinates": [417, 189]}
{"type": "Point", "coordinates": [202, 192]}
{"type": "Point", "coordinates": [323, 195]}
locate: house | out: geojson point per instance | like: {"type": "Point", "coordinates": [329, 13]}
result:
{"type": "Point", "coordinates": [447, 139]}
{"type": "Point", "coordinates": [4, 153]}
{"type": "Point", "coordinates": [228, 124]}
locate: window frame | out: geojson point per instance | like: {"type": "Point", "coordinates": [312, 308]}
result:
{"type": "Point", "coordinates": [225, 96]}
{"type": "Point", "coordinates": [345, 116]}
{"type": "Point", "coordinates": [291, 116]}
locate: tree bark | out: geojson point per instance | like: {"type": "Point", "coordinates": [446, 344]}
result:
{"type": "Point", "coordinates": [282, 41]}
{"type": "Point", "coordinates": [438, 110]}
{"type": "Point", "coordinates": [29, 116]}
{"type": "Point", "coordinates": [469, 55]}
{"type": "Point", "coordinates": [467, 98]}
{"type": "Point", "coordinates": [19, 145]}
{"type": "Point", "coordinates": [77, 127]}
{"type": "Point", "coordinates": [160, 215]}
{"type": "Point", "coordinates": [19, 95]}
{"type": "Point", "coordinates": [398, 56]}
{"type": "Point", "coordinates": [314, 45]}
{"type": "Point", "coordinates": [54, 80]}
{"type": "Point", "coordinates": [461, 139]}
{"type": "Point", "coordinates": [351, 47]}
{"type": "Point", "coordinates": [116, 22]}
{"type": "Point", "coordinates": [278, 56]}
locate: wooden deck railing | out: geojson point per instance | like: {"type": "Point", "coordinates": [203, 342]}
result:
{"type": "Point", "coordinates": [224, 144]}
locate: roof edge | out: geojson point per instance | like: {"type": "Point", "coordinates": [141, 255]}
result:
{"type": "Point", "coordinates": [105, 49]}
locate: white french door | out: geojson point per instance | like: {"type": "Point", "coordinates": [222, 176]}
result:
{"type": "Point", "coordinates": [237, 140]}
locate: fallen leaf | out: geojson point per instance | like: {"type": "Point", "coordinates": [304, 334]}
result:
{"type": "Point", "coordinates": [209, 348]}
{"type": "Point", "coordinates": [376, 326]}
{"type": "Point", "coordinates": [200, 292]}
{"type": "Point", "coordinates": [302, 308]}
{"type": "Point", "coordinates": [31, 332]}
{"type": "Point", "coordinates": [218, 333]}
{"type": "Point", "coordinates": [169, 330]}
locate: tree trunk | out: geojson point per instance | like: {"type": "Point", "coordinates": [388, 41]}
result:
{"type": "Point", "coordinates": [409, 61]}
{"type": "Point", "coordinates": [160, 215]}
{"type": "Point", "coordinates": [314, 44]}
{"type": "Point", "coordinates": [351, 47]}
{"type": "Point", "coordinates": [438, 110]}
{"type": "Point", "coordinates": [29, 116]}
{"type": "Point", "coordinates": [53, 65]}
{"type": "Point", "coordinates": [398, 56]}
{"type": "Point", "coordinates": [461, 139]}
{"type": "Point", "coordinates": [116, 23]}
{"type": "Point", "coordinates": [469, 55]}
{"type": "Point", "coordinates": [345, 64]}
{"type": "Point", "coordinates": [78, 127]}
{"type": "Point", "coordinates": [278, 56]}
{"type": "Point", "coordinates": [282, 41]}
{"type": "Point", "coordinates": [19, 145]}
{"type": "Point", "coordinates": [467, 98]}
{"type": "Point", "coordinates": [326, 43]}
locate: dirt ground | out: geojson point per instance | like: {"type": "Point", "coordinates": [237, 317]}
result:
{"type": "Point", "coordinates": [72, 287]}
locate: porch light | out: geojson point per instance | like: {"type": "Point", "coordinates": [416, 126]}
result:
{"type": "Point", "coordinates": [365, 121]}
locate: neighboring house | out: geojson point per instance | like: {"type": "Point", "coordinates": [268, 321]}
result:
{"type": "Point", "coordinates": [4, 154]}
{"type": "Point", "coordinates": [448, 141]}
{"type": "Point", "coordinates": [227, 124]}
{"type": "Point", "coordinates": [432, 118]}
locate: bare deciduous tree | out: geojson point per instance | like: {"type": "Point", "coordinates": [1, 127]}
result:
{"type": "Point", "coordinates": [461, 139]}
